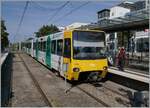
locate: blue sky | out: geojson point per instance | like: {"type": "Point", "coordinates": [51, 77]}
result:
{"type": "Point", "coordinates": [35, 16]}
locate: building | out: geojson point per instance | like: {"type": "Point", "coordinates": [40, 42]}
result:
{"type": "Point", "coordinates": [103, 14]}
{"type": "Point", "coordinates": [118, 11]}
{"type": "Point", "coordinates": [127, 5]}
{"type": "Point", "coordinates": [142, 4]}
{"type": "Point", "coordinates": [121, 14]}
{"type": "Point", "coordinates": [135, 6]}
{"type": "Point", "coordinates": [106, 15]}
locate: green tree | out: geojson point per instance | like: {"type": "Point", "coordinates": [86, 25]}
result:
{"type": "Point", "coordinates": [4, 35]}
{"type": "Point", "coordinates": [46, 30]}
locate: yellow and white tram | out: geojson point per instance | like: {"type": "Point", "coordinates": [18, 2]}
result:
{"type": "Point", "coordinates": [74, 54]}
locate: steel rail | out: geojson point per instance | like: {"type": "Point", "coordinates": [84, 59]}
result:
{"type": "Point", "coordinates": [95, 98]}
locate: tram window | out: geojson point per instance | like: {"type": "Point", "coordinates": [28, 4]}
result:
{"type": "Point", "coordinates": [33, 45]}
{"type": "Point", "coordinates": [29, 45]}
{"type": "Point", "coordinates": [39, 45]}
{"type": "Point", "coordinates": [59, 47]}
{"type": "Point", "coordinates": [67, 48]}
{"type": "Point", "coordinates": [44, 46]}
{"type": "Point", "coordinates": [53, 48]}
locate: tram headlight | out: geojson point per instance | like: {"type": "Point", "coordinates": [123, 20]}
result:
{"type": "Point", "coordinates": [105, 67]}
{"type": "Point", "coordinates": [76, 69]}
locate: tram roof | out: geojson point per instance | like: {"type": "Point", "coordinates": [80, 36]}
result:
{"type": "Point", "coordinates": [78, 29]}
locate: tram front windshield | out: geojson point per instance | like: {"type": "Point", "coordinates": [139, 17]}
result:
{"type": "Point", "coordinates": [88, 45]}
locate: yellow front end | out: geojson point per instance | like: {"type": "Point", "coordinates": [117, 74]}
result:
{"type": "Point", "coordinates": [74, 67]}
{"type": "Point", "coordinates": [79, 66]}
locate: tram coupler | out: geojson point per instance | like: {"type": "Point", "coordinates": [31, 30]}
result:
{"type": "Point", "coordinates": [94, 76]}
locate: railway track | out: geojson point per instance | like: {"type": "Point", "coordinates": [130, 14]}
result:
{"type": "Point", "coordinates": [84, 91]}
{"type": "Point", "coordinates": [112, 90]}
{"type": "Point", "coordinates": [87, 88]}
{"type": "Point", "coordinates": [116, 92]}
{"type": "Point", "coordinates": [36, 84]}
{"type": "Point", "coordinates": [87, 93]}
{"type": "Point", "coordinates": [96, 98]}
{"type": "Point", "coordinates": [92, 96]}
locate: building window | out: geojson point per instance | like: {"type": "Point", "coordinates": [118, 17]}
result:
{"type": "Point", "coordinates": [107, 14]}
{"type": "Point", "coordinates": [142, 45]}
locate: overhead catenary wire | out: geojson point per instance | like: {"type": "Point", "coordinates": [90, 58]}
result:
{"type": "Point", "coordinates": [22, 17]}
{"type": "Point", "coordinates": [44, 8]}
{"type": "Point", "coordinates": [70, 12]}
{"type": "Point", "coordinates": [54, 15]}
{"type": "Point", "coordinates": [51, 18]}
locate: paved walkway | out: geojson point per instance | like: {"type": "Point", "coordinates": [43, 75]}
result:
{"type": "Point", "coordinates": [25, 92]}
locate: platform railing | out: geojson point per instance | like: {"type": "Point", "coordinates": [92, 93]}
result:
{"type": "Point", "coordinates": [6, 80]}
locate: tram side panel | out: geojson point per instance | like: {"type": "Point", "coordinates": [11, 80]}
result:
{"type": "Point", "coordinates": [40, 50]}
{"type": "Point", "coordinates": [56, 52]}
{"type": "Point", "coordinates": [31, 53]}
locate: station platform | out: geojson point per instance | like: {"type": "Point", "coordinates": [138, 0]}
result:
{"type": "Point", "coordinates": [132, 74]}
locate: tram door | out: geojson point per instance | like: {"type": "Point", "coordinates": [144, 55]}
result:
{"type": "Point", "coordinates": [36, 51]}
{"type": "Point", "coordinates": [67, 57]}
{"type": "Point", "coordinates": [48, 52]}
